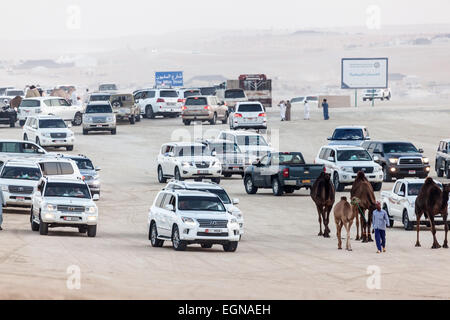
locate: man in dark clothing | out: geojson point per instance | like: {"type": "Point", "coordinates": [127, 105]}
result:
{"type": "Point", "coordinates": [325, 109]}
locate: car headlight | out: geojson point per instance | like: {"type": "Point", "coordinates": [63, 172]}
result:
{"type": "Point", "coordinates": [88, 119]}
{"type": "Point", "coordinates": [233, 223]}
{"type": "Point", "coordinates": [378, 169]}
{"type": "Point", "coordinates": [91, 210]}
{"type": "Point", "coordinates": [187, 164]}
{"type": "Point", "coordinates": [48, 135]}
{"type": "Point", "coordinates": [109, 119]}
{"type": "Point", "coordinates": [96, 182]}
{"type": "Point", "coordinates": [5, 188]}
{"type": "Point", "coordinates": [70, 134]}
{"type": "Point", "coordinates": [216, 164]}
{"type": "Point", "coordinates": [49, 216]}
{"type": "Point", "coordinates": [425, 160]}
{"type": "Point", "coordinates": [52, 207]}
{"type": "Point", "coordinates": [188, 220]}
{"type": "Point", "coordinates": [347, 169]}
{"type": "Point", "coordinates": [393, 160]}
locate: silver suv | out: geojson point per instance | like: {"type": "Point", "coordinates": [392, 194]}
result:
{"type": "Point", "coordinates": [99, 116]}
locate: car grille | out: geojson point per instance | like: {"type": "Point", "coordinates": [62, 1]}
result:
{"type": "Point", "coordinates": [99, 119]}
{"type": "Point", "coordinates": [410, 161]}
{"type": "Point", "coordinates": [233, 161]}
{"type": "Point", "coordinates": [363, 169]}
{"type": "Point", "coordinates": [70, 209]}
{"type": "Point", "coordinates": [20, 190]}
{"type": "Point", "coordinates": [203, 164]}
{"type": "Point", "coordinates": [58, 135]}
{"type": "Point", "coordinates": [207, 234]}
{"type": "Point", "coordinates": [206, 223]}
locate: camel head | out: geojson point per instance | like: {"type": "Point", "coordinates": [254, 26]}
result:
{"type": "Point", "coordinates": [343, 198]}
{"type": "Point", "coordinates": [360, 175]}
{"type": "Point", "coordinates": [446, 188]}
{"type": "Point", "coordinates": [356, 201]}
{"type": "Point", "coordinates": [429, 181]}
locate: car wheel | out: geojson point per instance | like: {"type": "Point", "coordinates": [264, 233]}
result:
{"type": "Point", "coordinates": [85, 132]}
{"type": "Point", "coordinates": [157, 243]}
{"type": "Point", "coordinates": [225, 120]}
{"type": "Point", "coordinates": [177, 243]}
{"type": "Point", "coordinates": [114, 131]}
{"type": "Point", "coordinates": [391, 220]}
{"type": "Point", "coordinates": [92, 231]}
{"type": "Point", "coordinates": [78, 119]}
{"type": "Point", "coordinates": [149, 112]}
{"type": "Point", "coordinates": [34, 225]}
{"type": "Point", "coordinates": [43, 228]}
{"type": "Point", "coordinates": [408, 225]}
{"type": "Point", "coordinates": [132, 120]}
{"type": "Point", "coordinates": [277, 189]}
{"type": "Point", "coordinates": [177, 174]}
{"type": "Point", "coordinates": [206, 246]}
{"type": "Point", "coordinates": [138, 118]}
{"type": "Point", "coordinates": [161, 178]}
{"type": "Point", "coordinates": [289, 189]}
{"type": "Point", "coordinates": [386, 175]}
{"type": "Point", "coordinates": [213, 120]}
{"type": "Point", "coordinates": [230, 246]}
{"type": "Point", "coordinates": [82, 229]}
{"type": "Point", "coordinates": [377, 186]}
{"type": "Point", "coordinates": [25, 137]}
{"type": "Point", "coordinates": [12, 124]}
{"type": "Point", "coordinates": [249, 186]}
{"type": "Point", "coordinates": [439, 171]}
{"type": "Point", "coordinates": [187, 122]}
{"type": "Point", "coordinates": [337, 185]}
{"type": "Point", "coordinates": [447, 171]}
{"type": "Point", "coordinates": [69, 148]}
{"type": "Point", "coordinates": [21, 123]}
{"type": "Point", "coordinates": [227, 175]}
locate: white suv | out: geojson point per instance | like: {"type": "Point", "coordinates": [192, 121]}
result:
{"type": "Point", "coordinates": [372, 94]}
{"type": "Point", "coordinates": [59, 166]}
{"type": "Point", "coordinates": [48, 131]}
{"type": "Point", "coordinates": [158, 102]}
{"type": "Point", "coordinates": [248, 115]}
{"type": "Point", "coordinates": [18, 181]}
{"type": "Point", "coordinates": [184, 160]}
{"type": "Point", "coordinates": [231, 205]}
{"type": "Point", "coordinates": [62, 202]}
{"type": "Point", "coordinates": [191, 217]}
{"type": "Point", "coordinates": [344, 162]}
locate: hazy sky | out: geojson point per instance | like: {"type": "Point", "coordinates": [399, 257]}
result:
{"type": "Point", "coordinates": [107, 18]}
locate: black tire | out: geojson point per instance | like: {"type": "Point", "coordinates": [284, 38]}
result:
{"type": "Point", "coordinates": [114, 132]}
{"type": "Point", "coordinates": [161, 178]}
{"type": "Point", "coordinates": [34, 225]}
{"type": "Point", "coordinates": [43, 228]}
{"type": "Point", "coordinates": [206, 246]}
{"type": "Point", "coordinates": [447, 171]}
{"type": "Point", "coordinates": [227, 175]}
{"type": "Point", "coordinates": [91, 231]}
{"type": "Point", "coordinates": [138, 118]}
{"type": "Point", "coordinates": [78, 119]}
{"type": "Point", "coordinates": [85, 132]}
{"type": "Point", "coordinates": [289, 189]}
{"type": "Point", "coordinates": [21, 123]}
{"type": "Point", "coordinates": [38, 142]}
{"type": "Point", "coordinates": [149, 112]}
{"type": "Point", "coordinates": [225, 120]}
{"type": "Point", "coordinates": [386, 175]}
{"type": "Point", "coordinates": [187, 122]}
{"type": "Point", "coordinates": [82, 229]}
{"type": "Point", "coordinates": [177, 175]}
{"type": "Point", "coordinates": [213, 120]}
{"type": "Point", "coordinates": [364, 99]}
{"type": "Point", "coordinates": [277, 189]}
{"type": "Point", "coordinates": [25, 137]}
{"type": "Point", "coordinates": [215, 180]}
{"type": "Point", "coordinates": [408, 225]}
{"type": "Point", "coordinates": [69, 148]}
{"type": "Point", "coordinates": [391, 221]}
{"type": "Point", "coordinates": [337, 185]}
{"type": "Point", "coordinates": [230, 246]}
{"type": "Point", "coordinates": [177, 244]}
{"type": "Point", "coordinates": [132, 120]}
{"type": "Point", "coordinates": [249, 186]}
{"type": "Point", "coordinates": [439, 171]}
{"type": "Point", "coordinates": [377, 186]}
{"type": "Point", "coordinates": [12, 124]}
{"type": "Point", "coordinates": [153, 236]}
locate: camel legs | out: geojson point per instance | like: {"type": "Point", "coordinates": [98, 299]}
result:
{"type": "Point", "coordinates": [319, 211]}
{"type": "Point", "coordinates": [363, 230]}
{"type": "Point", "coordinates": [446, 231]}
{"type": "Point", "coordinates": [348, 227]}
{"type": "Point", "coordinates": [326, 220]}
{"type": "Point", "coordinates": [338, 233]}
{"type": "Point", "coordinates": [369, 224]}
{"type": "Point", "coordinates": [357, 224]}
{"type": "Point", "coordinates": [436, 244]}
{"type": "Point", "coordinates": [419, 216]}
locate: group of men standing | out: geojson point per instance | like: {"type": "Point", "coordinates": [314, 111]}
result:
{"type": "Point", "coordinates": [286, 106]}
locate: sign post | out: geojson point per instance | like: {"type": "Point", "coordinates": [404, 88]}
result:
{"type": "Point", "coordinates": [169, 78]}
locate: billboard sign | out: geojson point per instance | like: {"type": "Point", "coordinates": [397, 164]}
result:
{"type": "Point", "coordinates": [364, 73]}
{"type": "Point", "coordinates": [170, 78]}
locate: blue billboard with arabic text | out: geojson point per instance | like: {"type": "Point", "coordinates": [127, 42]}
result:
{"type": "Point", "coordinates": [169, 78]}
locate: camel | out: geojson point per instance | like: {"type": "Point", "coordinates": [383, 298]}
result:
{"type": "Point", "coordinates": [343, 217]}
{"type": "Point", "coordinates": [323, 195]}
{"type": "Point", "coordinates": [432, 201]}
{"type": "Point", "coordinates": [363, 198]}
{"type": "Point", "coordinates": [15, 102]}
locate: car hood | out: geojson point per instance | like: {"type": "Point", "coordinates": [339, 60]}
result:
{"type": "Point", "coordinates": [198, 158]}
{"type": "Point", "coordinates": [346, 142]}
{"type": "Point", "coordinates": [98, 115]}
{"type": "Point", "coordinates": [18, 182]}
{"type": "Point", "coordinates": [357, 164]}
{"type": "Point", "coordinates": [233, 209]}
{"type": "Point", "coordinates": [205, 215]}
{"type": "Point", "coordinates": [55, 130]}
{"type": "Point", "coordinates": [254, 149]}
{"type": "Point", "coordinates": [91, 173]}
{"type": "Point", "coordinates": [398, 155]}
{"type": "Point", "coordinates": [69, 201]}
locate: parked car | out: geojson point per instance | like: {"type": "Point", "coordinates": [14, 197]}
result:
{"type": "Point", "coordinates": [283, 172]}
{"type": "Point", "coordinates": [100, 97]}
{"type": "Point", "coordinates": [125, 108]}
{"type": "Point", "coordinates": [313, 101]}
{"type": "Point", "coordinates": [443, 159]}
{"type": "Point", "coordinates": [183, 94]}
{"type": "Point", "coordinates": [230, 205]}
{"type": "Point", "coordinates": [107, 87]}
{"type": "Point", "coordinates": [88, 171]}
{"type": "Point", "coordinates": [59, 166]}
{"type": "Point", "coordinates": [398, 159]}
{"type": "Point", "coordinates": [252, 144]}
{"type": "Point", "coordinates": [186, 160]}
{"type": "Point", "coordinates": [12, 93]}
{"type": "Point", "coordinates": [187, 217]}
{"type": "Point", "coordinates": [399, 203]}
{"type": "Point", "coordinates": [3, 90]}
{"type": "Point", "coordinates": [8, 116]}
{"type": "Point", "coordinates": [233, 160]}
{"type": "Point", "coordinates": [208, 108]}
{"type": "Point", "coordinates": [349, 135]}
{"type": "Point", "coordinates": [344, 162]}
{"type": "Point", "coordinates": [248, 115]}
{"type": "Point", "coordinates": [373, 94]}
{"type": "Point", "coordinates": [48, 131]}
{"type": "Point", "coordinates": [16, 149]}
{"type": "Point", "coordinates": [60, 202]}
{"type": "Point", "coordinates": [159, 102]}
{"type": "Point", "coordinates": [99, 116]}
{"type": "Point", "coordinates": [232, 96]}
{"type": "Point", "coordinates": [298, 102]}
{"type": "Point", "coordinates": [54, 106]}
{"type": "Point", "coordinates": [18, 181]}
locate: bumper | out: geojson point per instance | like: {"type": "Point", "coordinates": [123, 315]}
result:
{"type": "Point", "coordinates": [98, 126]}
{"type": "Point", "coordinates": [233, 168]}
{"type": "Point", "coordinates": [165, 109]}
{"type": "Point", "coordinates": [298, 183]}
{"type": "Point", "coordinates": [203, 117]}
{"type": "Point", "coordinates": [349, 177]}
{"type": "Point", "coordinates": [198, 173]}
{"type": "Point", "coordinates": [49, 142]}
{"type": "Point", "coordinates": [250, 125]}
{"type": "Point", "coordinates": [68, 219]}
{"type": "Point", "coordinates": [211, 236]}
{"type": "Point", "coordinates": [409, 171]}
{"type": "Point", "coordinates": [17, 200]}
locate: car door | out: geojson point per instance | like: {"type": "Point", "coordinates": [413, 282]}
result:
{"type": "Point", "coordinates": [260, 171]}
{"type": "Point", "coordinates": [168, 160]}
{"type": "Point", "coordinates": [395, 201]}
{"type": "Point", "coordinates": [167, 215]}
{"type": "Point", "coordinates": [32, 129]}
{"type": "Point", "coordinates": [37, 199]}
{"type": "Point", "coordinates": [157, 212]}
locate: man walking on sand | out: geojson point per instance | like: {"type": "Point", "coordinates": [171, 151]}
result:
{"type": "Point", "coordinates": [325, 109]}
{"type": "Point", "coordinates": [380, 222]}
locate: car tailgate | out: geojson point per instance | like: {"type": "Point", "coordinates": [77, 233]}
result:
{"type": "Point", "coordinates": [305, 172]}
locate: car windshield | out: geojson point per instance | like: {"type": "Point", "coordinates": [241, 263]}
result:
{"type": "Point", "coordinates": [353, 155]}
{"type": "Point", "coordinates": [287, 159]}
{"type": "Point", "coordinates": [30, 104]}
{"type": "Point", "coordinates": [399, 148]}
{"type": "Point", "coordinates": [208, 91]}
{"type": "Point", "coordinates": [221, 148]}
{"type": "Point", "coordinates": [106, 87]}
{"type": "Point", "coordinates": [234, 94]}
{"type": "Point", "coordinates": [19, 147]}
{"type": "Point", "coordinates": [15, 93]}
{"type": "Point", "coordinates": [222, 195]}
{"type": "Point", "coordinates": [57, 103]}
{"type": "Point", "coordinates": [67, 190]}
{"type": "Point", "coordinates": [52, 124]}
{"type": "Point", "coordinates": [103, 97]}
{"type": "Point", "coordinates": [298, 99]}
{"type": "Point", "coordinates": [348, 134]}
{"type": "Point", "coordinates": [250, 108]}
{"type": "Point", "coordinates": [251, 141]}
{"type": "Point", "coordinates": [189, 203]}
{"type": "Point", "coordinates": [21, 173]}
{"type": "Point", "coordinates": [196, 101]}
{"type": "Point", "coordinates": [414, 189]}
{"type": "Point", "coordinates": [312, 98]}
{"type": "Point", "coordinates": [168, 94]}
{"type": "Point", "coordinates": [101, 108]}
{"type": "Point", "coordinates": [84, 164]}
{"type": "Point", "coordinates": [191, 93]}
{"type": "Point", "coordinates": [192, 151]}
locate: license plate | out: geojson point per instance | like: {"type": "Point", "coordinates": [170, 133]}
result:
{"type": "Point", "coordinates": [412, 171]}
{"type": "Point", "coordinates": [306, 181]}
{"type": "Point", "coordinates": [20, 198]}
{"type": "Point", "coordinates": [250, 119]}
{"type": "Point", "coordinates": [235, 168]}
{"type": "Point", "coordinates": [170, 103]}
{"type": "Point", "coordinates": [99, 126]}
{"type": "Point", "coordinates": [71, 219]}
{"type": "Point", "coordinates": [202, 171]}
{"type": "Point", "coordinates": [290, 182]}
{"type": "Point", "coordinates": [213, 231]}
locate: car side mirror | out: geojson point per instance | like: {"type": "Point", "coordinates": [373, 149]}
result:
{"type": "Point", "coordinates": [367, 138]}
{"type": "Point", "coordinates": [331, 159]}
{"type": "Point", "coordinates": [170, 207]}
{"type": "Point", "coordinates": [235, 201]}
{"type": "Point", "coordinates": [329, 138]}
{"type": "Point", "coordinates": [98, 169]}
{"type": "Point", "coordinates": [376, 158]}
{"type": "Point", "coordinates": [40, 151]}
{"type": "Point", "coordinates": [69, 125]}
{"type": "Point", "coordinates": [96, 197]}
{"type": "Point", "coordinates": [421, 150]}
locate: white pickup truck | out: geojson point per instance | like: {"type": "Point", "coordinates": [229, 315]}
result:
{"type": "Point", "coordinates": [400, 203]}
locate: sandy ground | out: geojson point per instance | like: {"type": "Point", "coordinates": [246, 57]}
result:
{"type": "Point", "coordinates": [280, 257]}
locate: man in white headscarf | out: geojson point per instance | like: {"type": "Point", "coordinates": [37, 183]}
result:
{"type": "Point", "coordinates": [282, 106]}
{"type": "Point", "coordinates": [307, 110]}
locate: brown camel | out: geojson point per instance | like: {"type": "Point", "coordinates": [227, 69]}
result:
{"type": "Point", "coordinates": [15, 102]}
{"type": "Point", "coordinates": [363, 198]}
{"type": "Point", "coordinates": [432, 201]}
{"type": "Point", "coordinates": [323, 195]}
{"type": "Point", "coordinates": [344, 216]}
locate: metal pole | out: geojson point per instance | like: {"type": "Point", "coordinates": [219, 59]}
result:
{"type": "Point", "coordinates": [356, 98]}
{"type": "Point", "coordinates": [373, 98]}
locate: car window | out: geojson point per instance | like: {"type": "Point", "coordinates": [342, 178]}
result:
{"type": "Point", "coordinates": [399, 148]}
{"type": "Point", "coordinates": [169, 199]}
{"type": "Point", "coordinates": [322, 153]}
{"type": "Point", "coordinates": [66, 168]}
{"type": "Point", "coordinates": [348, 134]}
{"type": "Point", "coordinates": [57, 103]}
{"type": "Point", "coordinates": [224, 147]}
{"type": "Point", "coordinates": [139, 95]}
{"type": "Point", "coordinates": [196, 101]}
{"type": "Point", "coordinates": [190, 151]}
{"type": "Point", "coordinates": [159, 199]}
{"type": "Point", "coordinates": [251, 140]}
{"type": "Point", "coordinates": [67, 190]}
{"type": "Point", "coordinates": [378, 148]}
{"type": "Point", "coordinates": [234, 94]}
{"type": "Point", "coordinates": [287, 159]}
{"type": "Point", "coordinates": [209, 91]}
{"type": "Point", "coordinates": [190, 93]}
{"type": "Point", "coordinates": [265, 160]}
{"type": "Point", "coordinates": [21, 173]}
{"type": "Point", "coordinates": [52, 124]}
{"type": "Point", "coordinates": [402, 189]}
{"type": "Point", "coordinates": [96, 97]}
{"type": "Point", "coordinates": [190, 203]}
{"type": "Point", "coordinates": [168, 94]}
{"type": "Point", "coordinates": [353, 155]}
{"type": "Point", "coordinates": [30, 104]}
{"type": "Point", "coordinates": [397, 187]}
{"type": "Point", "coordinates": [49, 168]}
{"type": "Point", "coordinates": [250, 108]}
{"type": "Point", "coordinates": [414, 189]}
{"type": "Point", "coordinates": [84, 164]}
{"type": "Point", "coordinates": [101, 108]}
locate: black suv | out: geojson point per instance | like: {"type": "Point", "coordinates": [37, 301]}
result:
{"type": "Point", "coordinates": [398, 159]}
{"type": "Point", "coordinates": [8, 116]}
{"type": "Point", "coordinates": [443, 159]}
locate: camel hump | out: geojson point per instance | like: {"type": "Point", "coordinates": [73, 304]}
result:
{"type": "Point", "coordinates": [429, 181]}
{"type": "Point", "coordinates": [344, 199]}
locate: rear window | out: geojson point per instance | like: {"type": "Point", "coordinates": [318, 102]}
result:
{"type": "Point", "coordinates": [288, 159]}
{"type": "Point", "coordinates": [101, 108]}
{"type": "Point", "coordinates": [30, 104]}
{"type": "Point", "coordinates": [104, 97]}
{"type": "Point", "coordinates": [56, 168]}
{"type": "Point", "coordinates": [52, 124]}
{"type": "Point", "coordinates": [168, 94]}
{"type": "Point", "coordinates": [15, 93]}
{"type": "Point", "coordinates": [234, 94]}
{"type": "Point", "coordinates": [196, 102]}
{"type": "Point", "coordinates": [191, 93]}
{"type": "Point", "coordinates": [107, 87]}
{"type": "Point", "coordinates": [57, 102]}
{"type": "Point", "coordinates": [250, 108]}
{"type": "Point", "coordinates": [208, 91]}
